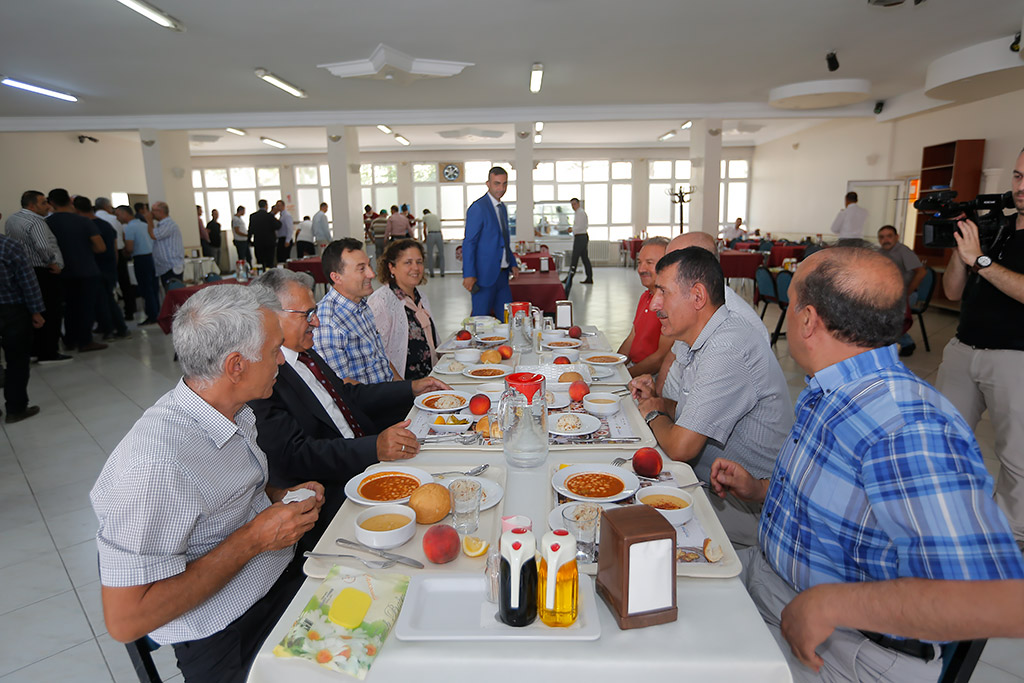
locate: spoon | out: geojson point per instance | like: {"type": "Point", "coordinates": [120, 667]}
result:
{"type": "Point", "coordinates": [479, 469]}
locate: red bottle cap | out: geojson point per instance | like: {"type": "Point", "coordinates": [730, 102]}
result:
{"type": "Point", "coordinates": [517, 545]}
{"type": "Point", "coordinates": [555, 547]}
{"type": "Point", "coordinates": [561, 532]}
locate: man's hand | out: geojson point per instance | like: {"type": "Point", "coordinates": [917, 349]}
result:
{"type": "Point", "coordinates": [276, 494]}
{"type": "Point", "coordinates": [38, 320]}
{"type": "Point", "coordinates": [397, 443]}
{"type": "Point", "coordinates": [515, 271]}
{"type": "Point", "coordinates": [806, 624]}
{"type": "Point", "coordinates": [54, 268]}
{"type": "Point", "coordinates": [642, 388]}
{"type": "Point", "coordinates": [730, 477]}
{"type": "Point", "coordinates": [968, 246]}
{"type": "Point", "coordinates": [655, 403]}
{"type": "Point", "coordinates": [280, 525]}
{"type": "Point", "coordinates": [421, 386]}
{"type": "Point", "coordinates": [468, 283]}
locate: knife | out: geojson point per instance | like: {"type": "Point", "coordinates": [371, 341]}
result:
{"type": "Point", "coordinates": [380, 553]}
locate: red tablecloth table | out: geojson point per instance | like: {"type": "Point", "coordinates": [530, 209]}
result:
{"type": "Point", "coordinates": [540, 289]}
{"type": "Point", "coordinates": [783, 252]}
{"type": "Point", "coordinates": [176, 297]}
{"type": "Point", "coordinates": [532, 260]}
{"type": "Point", "coordinates": [747, 245]}
{"type": "Point", "coordinates": [634, 247]}
{"type": "Point", "coordinates": [312, 265]}
{"type": "Point", "coordinates": [741, 263]}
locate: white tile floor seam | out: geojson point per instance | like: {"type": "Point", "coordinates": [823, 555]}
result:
{"type": "Point", "coordinates": [49, 463]}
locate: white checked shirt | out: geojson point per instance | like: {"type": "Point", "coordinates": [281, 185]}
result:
{"type": "Point", "coordinates": [168, 250]}
{"type": "Point", "coordinates": [31, 230]}
{"type": "Point", "coordinates": [181, 481]}
{"type": "Point", "coordinates": [332, 409]}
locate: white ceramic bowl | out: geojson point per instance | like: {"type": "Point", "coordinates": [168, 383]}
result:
{"type": "Point", "coordinates": [468, 355]}
{"type": "Point", "coordinates": [595, 404]}
{"type": "Point", "coordinates": [493, 390]}
{"type": "Point", "coordinates": [675, 517]}
{"type": "Point", "coordinates": [572, 354]}
{"type": "Point", "coordinates": [552, 335]}
{"type": "Point", "coordinates": [451, 429]}
{"type": "Point", "coordinates": [386, 539]}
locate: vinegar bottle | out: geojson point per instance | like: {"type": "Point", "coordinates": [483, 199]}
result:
{"type": "Point", "coordinates": [558, 579]}
{"type": "Point", "coordinates": [517, 578]}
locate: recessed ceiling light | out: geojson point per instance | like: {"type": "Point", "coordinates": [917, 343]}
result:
{"type": "Point", "coordinates": [273, 143]}
{"type": "Point", "coordinates": [686, 125]}
{"type": "Point", "coordinates": [666, 136]}
{"type": "Point", "coordinates": [384, 129]}
{"type": "Point", "coordinates": [155, 15]}
{"type": "Point", "coordinates": [537, 138]}
{"type": "Point", "coordinates": [401, 140]}
{"type": "Point", "coordinates": [37, 90]}
{"type": "Point", "coordinates": [539, 126]}
{"type": "Point", "coordinates": [235, 131]}
{"type": "Point", "coordinates": [278, 83]}
{"type": "Point", "coordinates": [536, 77]}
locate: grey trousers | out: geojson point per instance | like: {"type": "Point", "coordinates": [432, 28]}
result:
{"type": "Point", "coordinates": [848, 655]}
{"type": "Point", "coordinates": [435, 243]}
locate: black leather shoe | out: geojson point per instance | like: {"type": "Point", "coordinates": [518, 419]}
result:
{"type": "Point", "coordinates": [908, 350]}
{"type": "Point", "coordinates": [23, 415]}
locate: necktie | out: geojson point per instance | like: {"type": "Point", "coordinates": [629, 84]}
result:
{"type": "Point", "coordinates": [503, 212]}
{"type": "Point", "coordinates": [308, 361]}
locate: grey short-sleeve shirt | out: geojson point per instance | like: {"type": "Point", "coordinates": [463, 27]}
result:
{"type": "Point", "coordinates": [905, 259]}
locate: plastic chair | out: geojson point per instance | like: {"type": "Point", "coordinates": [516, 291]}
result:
{"type": "Point", "coordinates": [765, 246]}
{"type": "Point", "coordinates": [212, 277]}
{"type": "Point", "coordinates": [782, 281]}
{"type": "Point", "coordinates": [174, 283]}
{"type": "Point", "coordinates": [141, 653]}
{"type": "Point", "coordinates": [764, 284]}
{"type": "Point", "coordinates": [924, 298]}
{"type": "Point", "coordinates": [959, 659]}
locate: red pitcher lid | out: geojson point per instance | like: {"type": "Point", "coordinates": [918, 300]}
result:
{"type": "Point", "coordinates": [526, 383]}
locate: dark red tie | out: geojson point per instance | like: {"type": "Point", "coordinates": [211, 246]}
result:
{"type": "Point", "coordinates": [308, 361]}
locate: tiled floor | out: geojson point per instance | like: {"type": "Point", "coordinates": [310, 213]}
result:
{"type": "Point", "coordinates": [51, 623]}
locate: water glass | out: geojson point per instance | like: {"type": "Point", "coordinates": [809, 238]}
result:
{"type": "Point", "coordinates": [466, 495]}
{"type": "Point", "coordinates": [582, 521]}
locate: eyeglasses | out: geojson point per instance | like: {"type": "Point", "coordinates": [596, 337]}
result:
{"type": "Point", "coordinates": [309, 313]}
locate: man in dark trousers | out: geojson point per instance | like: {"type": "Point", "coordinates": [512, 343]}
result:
{"type": "Point", "coordinates": [263, 227]}
{"type": "Point", "coordinates": [21, 305]}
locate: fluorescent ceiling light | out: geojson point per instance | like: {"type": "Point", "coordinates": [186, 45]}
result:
{"type": "Point", "coordinates": [686, 125]}
{"type": "Point", "coordinates": [539, 126]}
{"type": "Point", "coordinates": [536, 76]}
{"type": "Point", "coordinates": [536, 139]}
{"type": "Point", "coordinates": [278, 83]}
{"type": "Point", "coordinates": [401, 140]}
{"type": "Point", "coordinates": [235, 131]}
{"type": "Point", "coordinates": [273, 143]}
{"type": "Point", "coordinates": [384, 129]}
{"type": "Point", "coordinates": [37, 90]}
{"type": "Point", "coordinates": [666, 136]}
{"type": "Point", "coordinates": [153, 14]}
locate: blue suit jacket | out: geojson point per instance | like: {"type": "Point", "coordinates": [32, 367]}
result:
{"type": "Point", "coordinates": [482, 245]}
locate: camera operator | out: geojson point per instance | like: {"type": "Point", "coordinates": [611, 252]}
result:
{"type": "Point", "coordinates": [983, 365]}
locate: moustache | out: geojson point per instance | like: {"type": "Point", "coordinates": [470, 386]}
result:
{"type": "Point", "coordinates": [661, 315]}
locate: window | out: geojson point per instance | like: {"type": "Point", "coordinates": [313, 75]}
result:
{"type": "Point", "coordinates": [225, 189]}
{"type": "Point", "coordinates": [312, 186]}
{"type": "Point", "coordinates": [734, 201]}
{"type": "Point", "coordinates": [424, 173]}
{"type": "Point", "coordinates": [379, 185]}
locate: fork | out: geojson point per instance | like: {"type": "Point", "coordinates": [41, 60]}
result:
{"type": "Point", "coordinates": [371, 564]}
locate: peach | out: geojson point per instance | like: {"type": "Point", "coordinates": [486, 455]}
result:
{"type": "Point", "coordinates": [506, 351]}
{"type": "Point", "coordinates": [575, 332]}
{"type": "Point", "coordinates": [577, 390]}
{"type": "Point", "coordinates": [647, 462]}
{"type": "Point", "coordinates": [441, 544]}
{"type": "Point", "coordinates": [479, 404]}
{"type": "Point", "coordinates": [561, 360]}
{"type": "Point", "coordinates": [463, 335]}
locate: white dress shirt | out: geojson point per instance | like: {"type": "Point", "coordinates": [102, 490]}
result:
{"type": "Point", "coordinates": [495, 203]}
{"type": "Point", "coordinates": [333, 411]}
{"type": "Point", "coordinates": [849, 224]}
{"type": "Point", "coordinates": [580, 222]}
{"type": "Point", "coordinates": [115, 224]}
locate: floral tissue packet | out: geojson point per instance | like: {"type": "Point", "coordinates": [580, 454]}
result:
{"type": "Point", "coordinates": [346, 621]}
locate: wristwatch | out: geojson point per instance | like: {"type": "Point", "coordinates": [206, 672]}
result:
{"type": "Point", "coordinates": [653, 414]}
{"type": "Point", "coordinates": [981, 262]}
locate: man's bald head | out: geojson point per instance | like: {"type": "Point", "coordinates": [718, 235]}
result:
{"type": "Point", "coordinates": [857, 292]}
{"type": "Point", "coordinates": [693, 239]}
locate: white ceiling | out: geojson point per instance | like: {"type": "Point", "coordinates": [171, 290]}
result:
{"type": "Point", "coordinates": [601, 57]}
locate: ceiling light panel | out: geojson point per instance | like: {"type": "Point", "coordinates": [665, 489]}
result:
{"type": "Point", "coordinates": [154, 14]}
{"type": "Point", "coordinates": [28, 87]}
{"type": "Point", "coordinates": [401, 140]}
{"type": "Point", "coordinates": [277, 82]}
{"type": "Point", "coordinates": [384, 129]}
{"type": "Point", "coordinates": [235, 131]}
{"type": "Point", "coordinates": [536, 77]}
{"type": "Point", "coordinates": [273, 143]}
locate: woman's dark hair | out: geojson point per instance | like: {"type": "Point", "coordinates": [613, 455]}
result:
{"type": "Point", "coordinates": [390, 257]}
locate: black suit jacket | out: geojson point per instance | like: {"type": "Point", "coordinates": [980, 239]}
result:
{"type": "Point", "coordinates": [301, 441]}
{"type": "Point", "coordinates": [263, 227]}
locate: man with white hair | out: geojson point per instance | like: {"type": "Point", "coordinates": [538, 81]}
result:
{"type": "Point", "coordinates": [195, 548]}
{"type": "Point", "coordinates": [168, 249]}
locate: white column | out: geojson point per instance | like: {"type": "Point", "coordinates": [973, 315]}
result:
{"type": "Point", "coordinates": [706, 160]}
{"type": "Point", "coordinates": [167, 162]}
{"type": "Point", "coordinates": [343, 160]}
{"type": "Point", "coordinates": [524, 181]}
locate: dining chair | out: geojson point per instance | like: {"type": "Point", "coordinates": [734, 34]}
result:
{"type": "Point", "coordinates": [764, 285]}
{"type": "Point", "coordinates": [782, 281]}
{"type": "Point", "coordinates": [924, 298]}
{"type": "Point", "coordinates": [141, 653]}
{"type": "Point", "coordinates": [765, 246]}
{"type": "Point", "coordinates": [959, 660]}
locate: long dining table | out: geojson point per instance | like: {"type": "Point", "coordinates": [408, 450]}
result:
{"type": "Point", "coordinates": [718, 635]}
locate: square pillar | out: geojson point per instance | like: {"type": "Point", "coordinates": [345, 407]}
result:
{"type": "Point", "coordinates": [706, 178]}
{"type": "Point", "coordinates": [167, 163]}
{"type": "Point", "coordinates": [345, 211]}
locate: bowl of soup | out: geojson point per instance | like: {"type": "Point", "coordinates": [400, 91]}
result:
{"type": "Point", "coordinates": [601, 403]}
{"type": "Point", "coordinates": [676, 505]}
{"type": "Point", "coordinates": [385, 526]}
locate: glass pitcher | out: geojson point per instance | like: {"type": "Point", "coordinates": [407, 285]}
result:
{"type": "Point", "coordinates": [523, 415]}
{"type": "Point", "coordinates": [521, 332]}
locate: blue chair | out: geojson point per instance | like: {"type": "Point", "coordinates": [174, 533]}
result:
{"type": "Point", "coordinates": [212, 277]}
{"type": "Point", "coordinates": [765, 246]}
{"type": "Point", "coordinates": [174, 283]}
{"type": "Point", "coordinates": [782, 281]}
{"type": "Point", "coordinates": [924, 298]}
{"type": "Point", "coordinates": [765, 284]}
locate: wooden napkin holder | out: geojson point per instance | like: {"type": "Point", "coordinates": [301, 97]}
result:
{"type": "Point", "coordinates": [621, 529]}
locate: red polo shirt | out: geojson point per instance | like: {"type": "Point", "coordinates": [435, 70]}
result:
{"type": "Point", "coordinates": [646, 330]}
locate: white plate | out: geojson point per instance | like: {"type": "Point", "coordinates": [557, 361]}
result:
{"type": "Point", "coordinates": [600, 372]}
{"type": "Point", "coordinates": [559, 344]}
{"type": "Point", "coordinates": [420, 401]}
{"type": "Point", "coordinates": [442, 367]}
{"type": "Point", "coordinates": [505, 371]}
{"type": "Point", "coordinates": [452, 429]}
{"type": "Point", "coordinates": [632, 484]}
{"type": "Point", "coordinates": [586, 357]}
{"type": "Point", "coordinates": [352, 487]}
{"type": "Point", "coordinates": [449, 606]}
{"type": "Point", "coordinates": [492, 491]}
{"type": "Point", "coordinates": [555, 520]}
{"type": "Point", "coordinates": [590, 424]}
{"type": "Point", "coordinates": [561, 401]}
{"type": "Point", "coordinates": [485, 339]}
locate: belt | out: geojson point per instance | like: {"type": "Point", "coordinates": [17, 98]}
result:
{"type": "Point", "coordinates": [914, 648]}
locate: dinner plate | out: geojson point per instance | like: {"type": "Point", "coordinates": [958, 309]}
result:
{"type": "Point", "coordinates": [491, 339]}
{"type": "Point", "coordinates": [601, 372]}
{"type": "Point", "coordinates": [492, 491]}
{"type": "Point", "coordinates": [442, 367]}
{"type": "Point", "coordinates": [589, 425]}
{"type": "Point", "coordinates": [556, 344]}
{"type": "Point", "coordinates": [561, 401]}
{"type": "Point", "coordinates": [555, 520]}
{"type": "Point", "coordinates": [589, 358]}
{"type": "Point", "coordinates": [505, 371]}
{"type": "Point", "coordinates": [421, 400]}
{"type": "Point", "coordinates": [632, 484]}
{"type": "Point", "coordinates": [352, 487]}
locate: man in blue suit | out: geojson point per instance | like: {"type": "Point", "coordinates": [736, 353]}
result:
{"type": "Point", "coordinates": [487, 258]}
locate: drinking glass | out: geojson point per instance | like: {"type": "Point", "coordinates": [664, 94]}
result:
{"type": "Point", "coordinates": [465, 495]}
{"type": "Point", "coordinates": [582, 521]}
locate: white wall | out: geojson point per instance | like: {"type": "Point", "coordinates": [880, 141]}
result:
{"type": "Point", "coordinates": [43, 161]}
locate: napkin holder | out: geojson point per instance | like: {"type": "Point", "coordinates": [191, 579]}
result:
{"type": "Point", "coordinates": [563, 314]}
{"type": "Point", "coordinates": [636, 572]}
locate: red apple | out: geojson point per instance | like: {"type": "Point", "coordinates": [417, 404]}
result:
{"type": "Point", "coordinates": [463, 335]}
{"type": "Point", "coordinates": [575, 332]}
{"type": "Point", "coordinates": [441, 544]}
{"type": "Point", "coordinates": [561, 360]}
{"type": "Point", "coordinates": [479, 404]}
{"type": "Point", "coordinates": [577, 390]}
{"type": "Point", "coordinates": [647, 462]}
{"type": "Point", "coordinates": [506, 351]}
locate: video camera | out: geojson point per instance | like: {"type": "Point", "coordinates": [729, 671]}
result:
{"type": "Point", "coordinates": [939, 230]}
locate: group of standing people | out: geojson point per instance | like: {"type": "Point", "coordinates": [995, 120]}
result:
{"type": "Point", "coordinates": [381, 228]}
{"type": "Point", "coordinates": [271, 232]}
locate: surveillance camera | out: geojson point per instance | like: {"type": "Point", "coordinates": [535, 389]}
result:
{"type": "Point", "coordinates": [879, 105]}
{"type": "Point", "coordinates": [832, 61]}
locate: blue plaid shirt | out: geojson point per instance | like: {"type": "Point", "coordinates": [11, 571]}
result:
{"type": "Point", "coordinates": [18, 284]}
{"type": "Point", "coordinates": [880, 478]}
{"type": "Point", "coordinates": [349, 341]}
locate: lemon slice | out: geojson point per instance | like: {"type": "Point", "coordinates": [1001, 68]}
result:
{"type": "Point", "coordinates": [439, 420]}
{"type": "Point", "coordinates": [473, 546]}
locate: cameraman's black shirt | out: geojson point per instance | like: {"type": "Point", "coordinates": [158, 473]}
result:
{"type": "Point", "coordinates": [989, 319]}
